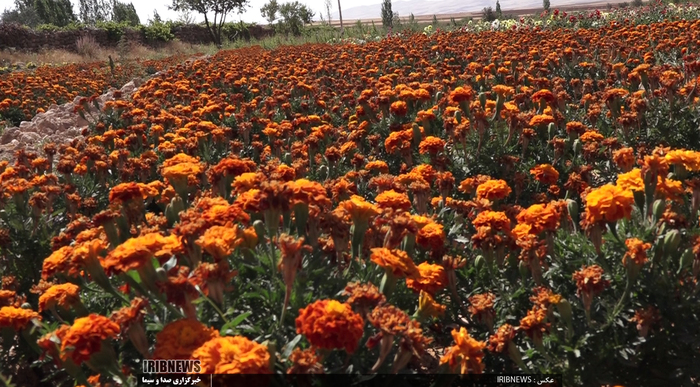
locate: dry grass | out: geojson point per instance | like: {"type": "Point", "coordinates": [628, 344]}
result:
{"type": "Point", "coordinates": [91, 51]}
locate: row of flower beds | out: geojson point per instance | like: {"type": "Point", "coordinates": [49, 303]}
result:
{"type": "Point", "coordinates": [456, 202]}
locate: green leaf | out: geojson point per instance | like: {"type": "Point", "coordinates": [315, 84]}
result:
{"type": "Point", "coordinates": [235, 322]}
{"type": "Point", "coordinates": [134, 275]}
{"type": "Point", "coordinates": [289, 347]}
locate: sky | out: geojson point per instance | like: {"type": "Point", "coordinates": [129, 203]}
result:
{"type": "Point", "coordinates": [144, 8]}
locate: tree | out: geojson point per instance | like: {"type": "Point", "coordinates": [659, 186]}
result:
{"type": "Point", "coordinates": [56, 12]}
{"type": "Point", "coordinates": [122, 12]}
{"type": "Point", "coordinates": [295, 16]}
{"type": "Point", "coordinates": [498, 9]}
{"type": "Point", "coordinates": [269, 11]}
{"type": "Point", "coordinates": [329, 6]}
{"type": "Point", "coordinates": [34, 12]}
{"type": "Point", "coordinates": [156, 18]}
{"type": "Point", "coordinates": [93, 11]}
{"type": "Point", "coordinates": [220, 8]}
{"type": "Point", "coordinates": [185, 18]}
{"type": "Point", "coordinates": [545, 5]}
{"type": "Point", "coordinates": [387, 14]}
{"type": "Point", "coordinates": [340, 16]}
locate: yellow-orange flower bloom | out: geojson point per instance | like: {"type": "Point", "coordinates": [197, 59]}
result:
{"type": "Point", "coordinates": [609, 203]}
{"type": "Point", "coordinates": [636, 252]}
{"type": "Point", "coordinates": [220, 241]}
{"type": "Point", "coordinates": [233, 355]}
{"type": "Point", "coordinates": [467, 353]}
{"type": "Point", "coordinates": [394, 200]}
{"type": "Point", "coordinates": [329, 324]}
{"type": "Point", "coordinates": [134, 253]}
{"type": "Point", "coordinates": [493, 190]}
{"type": "Point", "coordinates": [63, 295]}
{"type": "Point", "coordinates": [396, 261]}
{"type": "Point", "coordinates": [179, 339]}
{"type": "Point", "coordinates": [431, 278]}
{"type": "Point", "coordinates": [85, 337]}
{"type": "Point", "coordinates": [359, 209]}
{"type": "Point", "coordinates": [16, 318]}
{"type": "Point", "coordinates": [545, 174]}
{"type": "Point", "coordinates": [631, 180]}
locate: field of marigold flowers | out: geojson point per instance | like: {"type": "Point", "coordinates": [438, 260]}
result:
{"type": "Point", "coordinates": [520, 201]}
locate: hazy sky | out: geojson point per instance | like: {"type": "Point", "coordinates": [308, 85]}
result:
{"type": "Point", "coordinates": [145, 8]}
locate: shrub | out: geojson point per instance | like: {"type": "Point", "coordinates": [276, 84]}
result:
{"type": "Point", "coordinates": [157, 32]}
{"type": "Point", "coordinates": [487, 14]}
{"type": "Point", "coordinates": [87, 46]}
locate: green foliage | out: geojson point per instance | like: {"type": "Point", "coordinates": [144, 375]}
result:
{"type": "Point", "coordinates": [123, 12]}
{"type": "Point", "coordinates": [236, 31]}
{"type": "Point", "coordinates": [499, 14]}
{"type": "Point", "coordinates": [115, 30]}
{"type": "Point", "coordinates": [387, 14]}
{"type": "Point", "coordinates": [56, 12]}
{"type": "Point", "coordinates": [94, 11]}
{"type": "Point", "coordinates": [545, 5]}
{"type": "Point", "coordinates": [219, 8]}
{"type": "Point", "coordinates": [269, 11]}
{"type": "Point", "coordinates": [157, 32]}
{"type": "Point", "coordinates": [488, 15]}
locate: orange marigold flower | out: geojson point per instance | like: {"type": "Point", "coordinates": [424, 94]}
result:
{"type": "Point", "coordinates": [305, 362]}
{"type": "Point", "coordinates": [431, 145]}
{"type": "Point", "coordinates": [134, 253]}
{"type": "Point", "coordinates": [396, 261]}
{"type": "Point", "coordinates": [233, 355]}
{"type": "Point", "coordinates": [687, 158]}
{"type": "Point", "coordinates": [481, 307]}
{"type": "Point", "coordinates": [534, 324]}
{"type": "Point", "coordinates": [431, 236]}
{"type": "Point", "coordinates": [541, 120]}
{"type": "Point", "coordinates": [220, 241]}
{"type": "Point", "coordinates": [363, 296]}
{"type": "Point", "coordinates": [85, 337]}
{"type": "Point", "coordinates": [126, 192]}
{"type": "Point", "coordinates": [394, 200]}
{"type": "Point", "coordinates": [461, 94]}
{"type": "Point", "coordinates": [609, 203]}
{"type": "Point", "coordinates": [624, 158]}
{"type": "Point", "coordinates": [466, 353]}
{"type": "Point", "coordinates": [543, 94]}
{"type": "Point", "coordinates": [17, 318]}
{"type": "Point", "coordinates": [329, 324]}
{"type": "Point", "coordinates": [179, 339]}
{"type": "Point", "coordinates": [57, 262]}
{"type": "Point", "coordinates": [63, 295]}
{"type": "Point", "coordinates": [427, 306]}
{"type": "Point", "coordinates": [492, 190]}
{"type": "Point", "coordinates": [309, 192]}
{"type": "Point", "coordinates": [399, 108]}
{"type": "Point", "coordinates": [359, 209]}
{"type": "Point", "coordinates": [538, 218]}
{"type": "Point", "coordinates": [545, 174]}
{"type": "Point", "coordinates": [590, 282]}
{"type": "Point", "coordinates": [645, 318]}
{"type": "Point", "coordinates": [134, 313]}
{"type": "Point", "coordinates": [496, 221]}
{"type": "Point", "coordinates": [631, 180]}
{"type": "Point", "coordinates": [431, 278]}
{"type": "Point", "coordinates": [378, 165]}
{"type": "Point", "coordinates": [544, 297]}
{"type": "Point", "coordinates": [636, 252]}
{"type": "Point", "coordinates": [499, 341]}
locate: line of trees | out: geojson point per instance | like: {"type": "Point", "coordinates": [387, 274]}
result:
{"type": "Point", "coordinates": [60, 12]}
